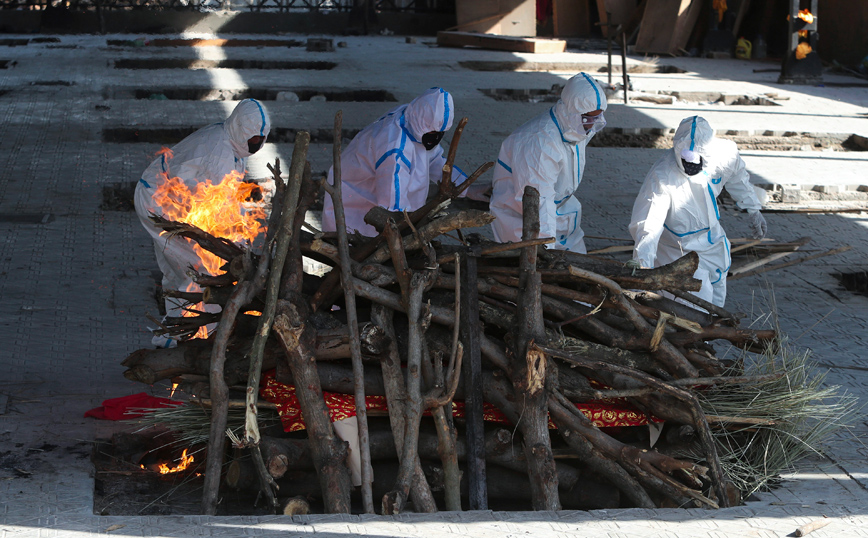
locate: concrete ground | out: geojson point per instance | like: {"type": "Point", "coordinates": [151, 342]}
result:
{"type": "Point", "coordinates": [76, 280]}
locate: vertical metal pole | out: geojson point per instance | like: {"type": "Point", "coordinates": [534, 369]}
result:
{"type": "Point", "coordinates": [609, 42]}
{"type": "Point", "coordinates": [472, 373]}
{"type": "Point", "coordinates": [791, 26]}
{"type": "Point", "coordinates": [624, 65]}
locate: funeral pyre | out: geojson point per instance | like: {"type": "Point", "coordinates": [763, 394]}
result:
{"type": "Point", "coordinates": [476, 372]}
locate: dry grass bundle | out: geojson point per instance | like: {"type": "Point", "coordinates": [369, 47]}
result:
{"type": "Point", "coordinates": [189, 425]}
{"type": "Point", "coordinates": [795, 415]}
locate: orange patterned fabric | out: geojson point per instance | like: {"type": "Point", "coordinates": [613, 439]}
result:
{"type": "Point", "coordinates": [603, 413]}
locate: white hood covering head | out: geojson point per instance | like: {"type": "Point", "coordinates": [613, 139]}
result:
{"type": "Point", "coordinates": [692, 140]}
{"type": "Point", "coordinates": [249, 119]}
{"type": "Point", "coordinates": [676, 213]}
{"type": "Point", "coordinates": [431, 111]}
{"type": "Point", "coordinates": [580, 95]}
{"type": "Point", "coordinates": [387, 165]}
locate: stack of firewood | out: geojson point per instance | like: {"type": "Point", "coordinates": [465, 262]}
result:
{"type": "Point", "coordinates": [427, 315]}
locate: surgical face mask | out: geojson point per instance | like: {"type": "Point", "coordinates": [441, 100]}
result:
{"type": "Point", "coordinates": [253, 147]}
{"type": "Point", "coordinates": [430, 140]}
{"type": "Point", "coordinates": [593, 124]}
{"type": "Point", "coordinates": [691, 169]}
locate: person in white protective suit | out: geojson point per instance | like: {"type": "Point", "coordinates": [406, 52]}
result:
{"type": "Point", "coordinates": [391, 162]}
{"type": "Point", "coordinates": [208, 154]}
{"type": "Point", "coordinates": [548, 153]}
{"type": "Point", "coordinates": [676, 211]}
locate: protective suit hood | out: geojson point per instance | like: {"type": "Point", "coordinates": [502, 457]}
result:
{"type": "Point", "coordinates": [694, 134]}
{"type": "Point", "coordinates": [249, 119]}
{"type": "Point", "coordinates": [581, 94]}
{"type": "Point", "coordinates": [431, 111]}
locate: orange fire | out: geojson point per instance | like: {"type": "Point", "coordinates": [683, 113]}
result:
{"type": "Point", "coordinates": [182, 464]}
{"type": "Point", "coordinates": [806, 15]}
{"type": "Point", "coordinates": [219, 209]}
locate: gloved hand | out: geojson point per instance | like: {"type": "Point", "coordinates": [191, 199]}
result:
{"type": "Point", "coordinates": [633, 264]}
{"type": "Point", "coordinates": [758, 226]}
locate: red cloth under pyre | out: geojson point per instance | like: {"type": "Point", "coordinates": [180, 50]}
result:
{"type": "Point", "coordinates": [122, 408]}
{"type": "Point", "coordinates": [603, 413]}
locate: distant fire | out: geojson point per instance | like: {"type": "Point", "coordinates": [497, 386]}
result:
{"type": "Point", "coordinates": [216, 208]}
{"type": "Point", "coordinates": [806, 15]}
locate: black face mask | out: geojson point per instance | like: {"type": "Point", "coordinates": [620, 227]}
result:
{"type": "Point", "coordinates": [253, 148]}
{"type": "Point", "coordinates": [430, 140]}
{"type": "Point", "coordinates": [691, 169]}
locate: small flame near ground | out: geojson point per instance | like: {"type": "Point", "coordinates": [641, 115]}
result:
{"type": "Point", "coordinates": [183, 464]}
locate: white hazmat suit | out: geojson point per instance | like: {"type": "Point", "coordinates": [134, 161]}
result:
{"type": "Point", "coordinates": [387, 165]}
{"type": "Point", "coordinates": [548, 153]}
{"type": "Point", "coordinates": [209, 153]}
{"type": "Point", "coordinates": [676, 213]}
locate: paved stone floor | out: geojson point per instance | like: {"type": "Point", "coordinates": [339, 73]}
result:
{"type": "Point", "coordinates": [76, 280]}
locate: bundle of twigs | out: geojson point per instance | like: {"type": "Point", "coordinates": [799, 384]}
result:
{"type": "Point", "coordinates": [530, 330]}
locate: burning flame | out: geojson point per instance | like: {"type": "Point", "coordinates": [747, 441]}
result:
{"type": "Point", "coordinates": [182, 465]}
{"type": "Point", "coordinates": [806, 15]}
{"type": "Point", "coordinates": [253, 313]}
{"type": "Point", "coordinates": [216, 208]}
{"type": "Point", "coordinates": [174, 387]}
{"type": "Point", "coordinates": [802, 51]}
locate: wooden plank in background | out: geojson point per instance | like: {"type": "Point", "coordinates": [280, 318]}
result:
{"type": "Point", "coordinates": [501, 17]}
{"type": "Point", "coordinates": [496, 42]}
{"type": "Point", "coordinates": [666, 26]}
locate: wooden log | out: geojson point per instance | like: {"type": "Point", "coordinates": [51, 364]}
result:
{"type": "Point", "coordinates": [441, 387]}
{"type": "Point", "coordinates": [193, 356]}
{"type": "Point", "coordinates": [472, 375]}
{"type": "Point", "coordinates": [396, 395]}
{"type": "Point", "coordinates": [394, 500]}
{"type": "Point", "coordinates": [490, 350]}
{"type": "Point", "coordinates": [447, 191]}
{"type": "Point", "coordinates": [665, 352]}
{"type": "Point", "coordinates": [768, 259]}
{"type": "Point", "coordinates": [791, 262]}
{"type": "Point", "coordinates": [691, 407]}
{"type": "Point", "coordinates": [531, 373]}
{"type": "Point", "coordinates": [223, 248]}
{"type": "Point", "coordinates": [499, 42]}
{"type": "Point", "coordinates": [675, 275]}
{"type": "Point", "coordinates": [283, 239]}
{"type": "Point", "coordinates": [244, 291]}
{"type": "Point", "coordinates": [637, 463]}
{"type": "Point", "coordinates": [468, 218]}
{"type": "Point", "coordinates": [352, 319]}
{"type": "Point", "coordinates": [295, 506]}
{"type": "Point", "coordinates": [329, 453]}
{"type": "Point", "coordinates": [498, 392]}
{"type": "Point", "coordinates": [284, 457]}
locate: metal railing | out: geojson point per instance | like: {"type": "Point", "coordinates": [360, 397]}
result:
{"type": "Point", "coordinates": [409, 6]}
